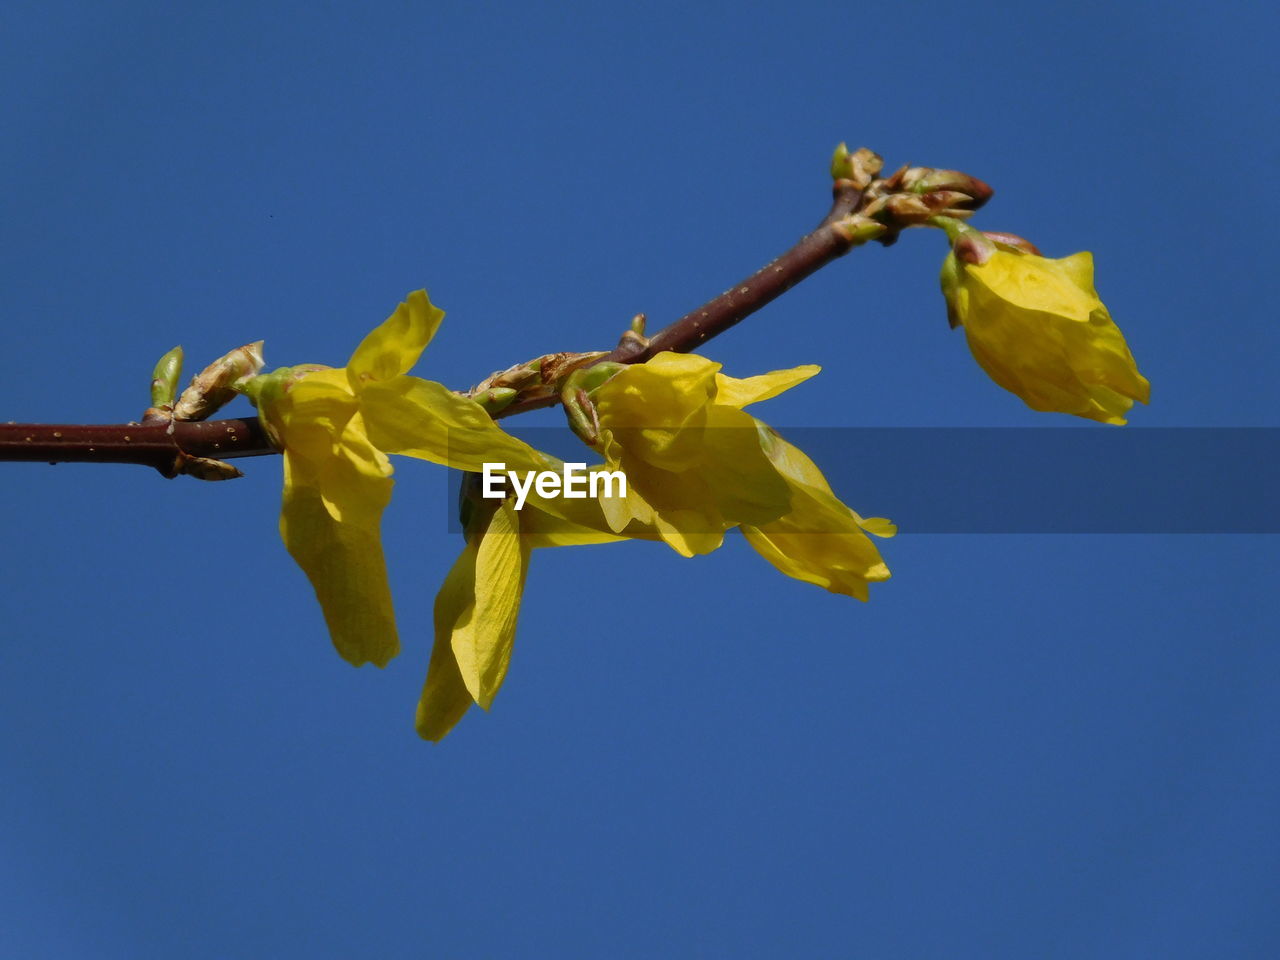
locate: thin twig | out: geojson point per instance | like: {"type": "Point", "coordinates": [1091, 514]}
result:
{"type": "Point", "coordinates": [161, 444]}
{"type": "Point", "coordinates": [158, 443]}
{"type": "Point", "coordinates": [813, 252]}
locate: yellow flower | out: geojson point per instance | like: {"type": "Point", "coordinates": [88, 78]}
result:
{"type": "Point", "coordinates": [820, 540]}
{"type": "Point", "coordinates": [335, 427]}
{"type": "Point", "coordinates": [696, 465]}
{"type": "Point", "coordinates": [1037, 327]}
{"type": "Point", "coordinates": [478, 604]}
{"type": "Point", "coordinates": [692, 457]}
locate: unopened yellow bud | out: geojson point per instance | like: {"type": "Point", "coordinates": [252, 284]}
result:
{"type": "Point", "coordinates": [1038, 328]}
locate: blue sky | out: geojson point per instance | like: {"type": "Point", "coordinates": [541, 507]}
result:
{"type": "Point", "coordinates": [1048, 745]}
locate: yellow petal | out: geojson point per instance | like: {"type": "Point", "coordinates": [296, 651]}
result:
{"type": "Point", "coordinates": [565, 521]}
{"type": "Point", "coordinates": [419, 418]}
{"type": "Point", "coordinates": [685, 532]}
{"type": "Point", "coordinates": [879, 526]}
{"type": "Point", "coordinates": [795, 465]}
{"type": "Point", "coordinates": [672, 448]}
{"type": "Point", "coordinates": [669, 392]}
{"type": "Point", "coordinates": [657, 408]}
{"type": "Point", "coordinates": [792, 462]}
{"type": "Point", "coordinates": [676, 505]}
{"type": "Point", "coordinates": [1028, 282]}
{"type": "Point", "coordinates": [553, 532]}
{"type": "Point", "coordinates": [352, 477]}
{"type": "Point", "coordinates": [743, 483]}
{"type": "Point", "coordinates": [1076, 269]}
{"type": "Point", "coordinates": [482, 642]}
{"type": "Point", "coordinates": [621, 513]}
{"type": "Point", "coordinates": [820, 542]}
{"type": "Point", "coordinates": [342, 557]}
{"type": "Point", "coordinates": [690, 369]}
{"type": "Point", "coordinates": [393, 347]}
{"type": "Point", "coordinates": [445, 697]}
{"type": "Point", "coordinates": [1056, 363]}
{"type": "Point", "coordinates": [313, 412]}
{"type": "Point", "coordinates": [739, 393]}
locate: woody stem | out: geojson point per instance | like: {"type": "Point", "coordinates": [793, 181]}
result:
{"type": "Point", "coordinates": [813, 252]}
{"type": "Point", "coordinates": [157, 443]}
{"type": "Point", "coordinates": [695, 328]}
{"type": "Point", "coordinates": [160, 443]}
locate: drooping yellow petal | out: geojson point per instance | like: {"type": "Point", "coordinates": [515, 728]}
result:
{"type": "Point", "coordinates": [791, 461]}
{"type": "Point", "coordinates": [418, 418]}
{"type": "Point", "coordinates": [620, 512]}
{"type": "Point", "coordinates": [445, 697]}
{"type": "Point", "coordinates": [355, 483]}
{"type": "Point", "coordinates": [342, 555]}
{"type": "Point", "coordinates": [394, 346]}
{"type": "Point", "coordinates": [567, 521]}
{"type": "Point", "coordinates": [313, 412]}
{"type": "Point", "coordinates": [482, 642]}
{"type": "Point", "coordinates": [548, 531]}
{"type": "Point", "coordinates": [685, 532]}
{"type": "Point", "coordinates": [794, 464]}
{"type": "Point", "coordinates": [878, 526]}
{"type": "Point", "coordinates": [680, 507]}
{"type": "Point", "coordinates": [740, 392]}
{"type": "Point", "coordinates": [820, 542]}
{"type": "Point", "coordinates": [744, 484]}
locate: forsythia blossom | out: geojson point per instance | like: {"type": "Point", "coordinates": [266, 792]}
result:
{"type": "Point", "coordinates": [479, 602]}
{"type": "Point", "coordinates": [1037, 327]}
{"type": "Point", "coordinates": [697, 464]}
{"type": "Point", "coordinates": [335, 428]}
{"type": "Point", "coordinates": [692, 457]}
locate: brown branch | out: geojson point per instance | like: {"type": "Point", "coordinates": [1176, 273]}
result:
{"type": "Point", "coordinates": [813, 252]}
{"type": "Point", "coordinates": [161, 444]}
{"type": "Point", "coordinates": [158, 443]}
{"type": "Point", "coordinates": [695, 328]}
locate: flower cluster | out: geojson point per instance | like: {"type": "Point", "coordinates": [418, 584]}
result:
{"type": "Point", "coordinates": [696, 463]}
{"type": "Point", "coordinates": [336, 428]}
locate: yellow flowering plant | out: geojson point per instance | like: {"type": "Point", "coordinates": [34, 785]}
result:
{"type": "Point", "coordinates": [479, 602]}
{"type": "Point", "coordinates": [702, 462]}
{"type": "Point", "coordinates": [335, 428]}
{"type": "Point", "coordinates": [675, 427]}
{"type": "Point", "coordinates": [695, 463]}
{"type": "Point", "coordinates": [1038, 328]}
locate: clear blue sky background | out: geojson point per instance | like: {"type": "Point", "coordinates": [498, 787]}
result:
{"type": "Point", "coordinates": [1023, 746]}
